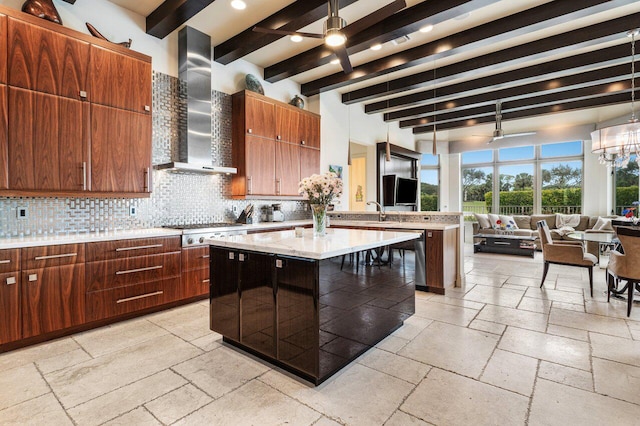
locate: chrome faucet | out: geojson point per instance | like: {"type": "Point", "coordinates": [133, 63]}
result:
{"type": "Point", "coordinates": [382, 214]}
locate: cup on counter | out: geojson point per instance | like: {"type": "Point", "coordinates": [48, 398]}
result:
{"type": "Point", "coordinates": [298, 230]}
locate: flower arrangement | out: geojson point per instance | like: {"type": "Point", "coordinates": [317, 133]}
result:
{"type": "Point", "coordinates": [320, 189]}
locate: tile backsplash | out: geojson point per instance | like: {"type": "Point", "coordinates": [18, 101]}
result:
{"type": "Point", "coordinates": [176, 198]}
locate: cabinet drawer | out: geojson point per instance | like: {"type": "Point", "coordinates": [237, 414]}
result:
{"type": "Point", "coordinates": [122, 300]}
{"type": "Point", "coordinates": [9, 260]}
{"type": "Point", "coordinates": [46, 256]}
{"type": "Point", "coordinates": [195, 258]}
{"type": "Point", "coordinates": [10, 325]}
{"type": "Point", "coordinates": [119, 249]}
{"type": "Point", "coordinates": [135, 270]}
{"type": "Point", "coordinates": [195, 282]}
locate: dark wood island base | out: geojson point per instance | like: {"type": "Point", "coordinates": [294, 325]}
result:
{"type": "Point", "coordinates": [307, 316]}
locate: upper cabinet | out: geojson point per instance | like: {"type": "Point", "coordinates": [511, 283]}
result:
{"type": "Point", "coordinates": [274, 146]}
{"type": "Point", "coordinates": [46, 61]}
{"type": "Point", "coordinates": [75, 114]}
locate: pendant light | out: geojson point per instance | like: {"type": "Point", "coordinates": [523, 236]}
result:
{"type": "Point", "coordinates": [616, 144]}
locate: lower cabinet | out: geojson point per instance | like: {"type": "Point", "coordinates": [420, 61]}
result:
{"type": "Point", "coordinates": [441, 255]}
{"type": "Point", "coordinates": [10, 324]}
{"type": "Point", "coordinates": [225, 294]}
{"type": "Point", "coordinates": [195, 271]}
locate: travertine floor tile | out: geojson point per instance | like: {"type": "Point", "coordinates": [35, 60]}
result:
{"type": "Point", "coordinates": [392, 344]}
{"type": "Point", "coordinates": [495, 296]}
{"type": "Point", "coordinates": [178, 403]}
{"type": "Point", "coordinates": [400, 418]}
{"type": "Point", "coordinates": [489, 327]}
{"type": "Point", "coordinates": [555, 295]}
{"type": "Point", "coordinates": [615, 308]}
{"type": "Point", "coordinates": [556, 404]}
{"type": "Point", "coordinates": [456, 301]}
{"type": "Point", "coordinates": [394, 365]}
{"type": "Point", "coordinates": [35, 353]}
{"type": "Point", "coordinates": [568, 306]}
{"type": "Point", "coordinates": [547, 347]}
{"type": "Point", "coordinates": [486, 279]}
{"type": "Point", "coordinates": [535, 305]}
{"type": "Point", "coordinates": [572, 333]}
{"type": "Point", "coordinates": [62, 361]}
{"type": "Point", "coordinates": [511, 371]}
{"type": "Point", "coordinates": [514, 317]}
{"type": "Point", "coordinates": [187, 322]}
{"type": "Point", "coordinates": [220, 371]}
{"type": "Point", "coordinates": [93, 378]}
{"type": "Point", "coordinates": [475, 403]}
{"type": "Point", "coordinates": [209, 342]}
{"type": "Point", "coordinates": [524, 281]}
{"type": "Point", "coordinates": [617, 349]}
{"type": "Point", "coordinates": [138, 417]}
{"type": "Point", "coordinates": [445, 346]}
{"type": "Point", "coordinates": [348, 397]}
{"type": "Point", "coordinates": [120, 401]}
{"type": "Point", "coordinates": [446, 313]}
{"type": "Point", "coordinates": [21, 384]}
{"type": "Point", "coordinates": [566, 375]}
{"type": "Point", "coordinates": [412, 327]}
{"type": "Point", "coordinates": [111, 338]}
{"type": "Point", "coordinates": [44, 410]}
{"type": "Point", "coordinates": [325, 421]}
{"type": "Point", "coordinates": [596, 323]}
{"type": "Point", "coordinates": [618, 380]}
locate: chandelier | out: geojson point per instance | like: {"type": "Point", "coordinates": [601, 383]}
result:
{"type": "Point", "coordinates": [616, 144]}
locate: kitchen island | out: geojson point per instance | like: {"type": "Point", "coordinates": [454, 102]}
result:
{"type": "Point", "coordinates": [289, 301]}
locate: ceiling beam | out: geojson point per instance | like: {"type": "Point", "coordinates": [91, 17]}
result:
{"type": "Point", "coordinates": [611, 99]}
{"type": "Point", "coordinates": [519, 24]}
{"type": "Point", "coordinates": [405, 22]}
{"type": "Point", "coordinates": [297, 15]}
{"type": "Point", "coordinates": [553, 69]}
{"type": "Point", "coordinates": [171, 14]}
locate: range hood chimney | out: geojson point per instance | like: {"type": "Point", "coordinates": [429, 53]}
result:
{"type": "Point", "coordinates": [194, 62]}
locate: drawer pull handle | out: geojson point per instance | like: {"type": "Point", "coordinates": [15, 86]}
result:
{"type": "Point", "coordinates": [142, 296]}
{"type": "Point", "coordinates": [2, 262]}
{"type": "Point", "coordinates": [11, 280]}
{"type": "Point", "coordinates": [33, 277]}
{"type": "Point", "coordinates": [138, 247]}
{"type": "Point", "coordinates": [131, 271]}
{"type": "Point", "coordinates": [205, 281]}
{"type": "Point", "coordinates": [55, 256]}
{"type": "Point", "coordinates": [500, 243]}
{"type": "Point", "coordinates": [206, 256]}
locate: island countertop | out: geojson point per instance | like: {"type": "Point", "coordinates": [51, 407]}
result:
{"type": "Point", "coordinates": [337, 242]}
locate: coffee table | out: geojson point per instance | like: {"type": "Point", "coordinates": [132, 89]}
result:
{"type": "Point", "coordinates": [506, 244]}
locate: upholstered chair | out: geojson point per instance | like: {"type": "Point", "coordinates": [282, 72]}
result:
{"type": "Point", "coordinates": [625, 267]}
{"type": "Point", "coordinates": [569, 253]}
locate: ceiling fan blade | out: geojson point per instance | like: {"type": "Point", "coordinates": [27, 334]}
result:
{"type": "Point", "coordinates": [374, 17]}
{"type": "Point", "coordinates": [513, 135]}
{"type": "Point", "coordinates": [341, 53]}
{"type": "Point", "coordinates": [285, 32]}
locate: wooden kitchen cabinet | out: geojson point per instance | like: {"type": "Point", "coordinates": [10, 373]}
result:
{"type": "Point", "coordinates": [309, 132]}
{"type": "Point", "coordinates": [46, 61]}
{"type": "Point", "coordinates": [259, 168]}
{"type": "Point", "coordinates": [10, 322]}
{"type": "Point", "coordinates": [4, 139]}
{"type": "Point", "coordinates": [47, 149]}
{"type": "Point", "coordinates": [195, 271]}
{"type": "Point", "coordinates": [441, 255]}
{"type": "Point", "coordinates": [309, 161]}
{"type": "Point", "coordinates": [287, 124]}
{"type": "Point", "coordinates": [3, 52]}
{"type": "Point", "coordinates": [120, 150]}
{"type": "Point", "coordinates": [287, 168]}
{"type": "Point", "coordinates": [259, 117]}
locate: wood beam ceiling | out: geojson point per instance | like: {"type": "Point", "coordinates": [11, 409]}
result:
{"type": "Point", "coordinates": [291, 18]}
{"type": "Point", "coordinates": [465, 41]}
{"type": "Point", "coordinates": [402, 23]}
{"type": "Point", "coordinates": [171, 14]}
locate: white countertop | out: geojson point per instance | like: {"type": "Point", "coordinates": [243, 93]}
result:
{"type": "Point", "coordinates": [337, 242]}
{"type": "Point", "coordinates": [395, 225]}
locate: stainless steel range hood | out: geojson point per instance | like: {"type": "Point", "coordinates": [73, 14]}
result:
{"type": "Point", "coordinates": [194, 61]}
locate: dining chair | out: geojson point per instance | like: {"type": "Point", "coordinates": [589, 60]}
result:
{"type": "Point", "coordinates": [569, 253]}
{"type": "Point", "coordinates": [625, 266]}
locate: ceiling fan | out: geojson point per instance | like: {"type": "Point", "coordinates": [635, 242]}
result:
{"type": "Point", "coordinates": [498, 133]}
{"type": "Point", "coordinates": [336, 30]}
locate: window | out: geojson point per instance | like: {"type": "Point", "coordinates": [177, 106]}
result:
{"type": "Point", "coordinates": [516, 189]}
{"type": "Point", "coordinates": [477, 186]}
{"type": "Point", "coordinates": [429, 183]}
{"type": "Point", "coordinates": [626, 183]}
{"type": "Point", "coordinates": [518, 153]}
{"type": "Point", "coordinates": [566, 149]}
{"type": "Point", "coordinates": [562, 187]}
{"type": "Point", "coordinates": [477, 157]}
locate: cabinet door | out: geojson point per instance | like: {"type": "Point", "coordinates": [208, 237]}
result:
{"type": "Point", "coordinates": [310, 130]}
{"type": "Point", "coordinates": [3, 52]}
{"type": "Point", "coordinates": [258, 313]}
{"type": "Point", "coordinates": [434, 259]}
{"type": "Point", "coordinates": [195, 271]}
{"type": "Point", "coordinates": [309, 162]}
{"type": "Point", "coordinates": [4, 141]}
{"type": "Point", "coordinates": [9, 307]}
{"type": "Point", "coordinates": [287, 168]}
{"type": "Point", "coordinates": [120, 150]}
{"type": "Point", "coordinates": [224, 306]}
{"type": "Point", "coordinates": [47, 150]}
{"type": "Point", "coordinates": [119, 80]}
{"type": "Point", "coordinates": [298, 321]}
{"type": "Point", "coordinates": [260, 166]}
{"type": "Point", "coordinates": [46, 61]}
{"type": "Point", "coordinates": [287, 124]}
{"type": "Point", "coordinates": [260, 117]}
{"type": "Point", "coordinates": [52, 299]}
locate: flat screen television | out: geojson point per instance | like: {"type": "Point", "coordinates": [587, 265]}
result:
{"type": "Point", "coordinates": [389, 190]}
{"type": "Point", "coordinates": [406, 191]}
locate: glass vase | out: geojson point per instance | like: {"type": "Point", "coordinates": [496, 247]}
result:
{"type": "Point", "coordinates": [319, 219]}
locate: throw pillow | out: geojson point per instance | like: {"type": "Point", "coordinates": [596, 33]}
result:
{"type": "Point", "coordinates": [509, 221]}
{"type": "Point", "coordinates": [494, 218]}
{"type": "Point", "coordinates": [603, 224]}
{"type": "Point", "coordinates": [483, 220]}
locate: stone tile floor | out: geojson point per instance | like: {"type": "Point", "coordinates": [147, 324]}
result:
{"type": "Point", "coordinates": [498, 351]}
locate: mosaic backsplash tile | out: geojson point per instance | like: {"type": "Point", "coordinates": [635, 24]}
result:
{"type": "Point", "coordinates": [177, 198]}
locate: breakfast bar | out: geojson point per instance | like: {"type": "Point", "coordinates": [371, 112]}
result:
{"type": "Point", "coordinates": [290, 301]}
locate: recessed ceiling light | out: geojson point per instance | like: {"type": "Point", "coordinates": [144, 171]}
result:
{"type": "Point", "coordinates": [426, 28]}
{"type": "Point", "coordinates": [335, 61]}
{"type": "Point", "coordinates": [296, 38]}
{"type": "Point", "coordinates": [238, 4]}
{"type": "Point", "coordinates": [376, 46]}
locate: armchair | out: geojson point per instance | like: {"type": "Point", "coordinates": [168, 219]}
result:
{"type": "Point", "coordinates": [625, 267]}
{"type": "Point", "coordinates": [569, 253]}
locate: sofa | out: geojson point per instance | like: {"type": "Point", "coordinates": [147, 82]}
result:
{"type": "Point", "coordinates": [527, 226]}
